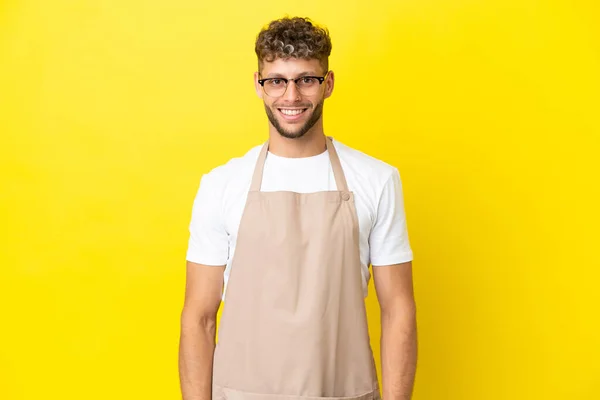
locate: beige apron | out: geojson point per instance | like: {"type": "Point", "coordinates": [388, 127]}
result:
{"type": "Point", "coordinates": [294, 322]}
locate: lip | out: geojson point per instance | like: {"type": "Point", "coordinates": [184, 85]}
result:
{"type": "Point", "coordinates": [292, 117]}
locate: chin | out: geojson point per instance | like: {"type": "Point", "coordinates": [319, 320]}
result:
{"type": "Point", "coordinates": [292, 135]}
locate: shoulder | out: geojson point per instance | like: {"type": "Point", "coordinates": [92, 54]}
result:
{"type": "Point", "coordinates": [235, 172]}
{"type": "Point", "coordinates": [364, 170]}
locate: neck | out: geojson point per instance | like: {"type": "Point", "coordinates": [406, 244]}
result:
{"type": "Point", "coordinates": [310, 144]}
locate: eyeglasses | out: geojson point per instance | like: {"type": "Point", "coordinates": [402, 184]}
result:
{"type": "Point", "coordinates": [306, 85]}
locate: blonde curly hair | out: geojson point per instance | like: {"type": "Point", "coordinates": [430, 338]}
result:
{"type": "Point", "coordinates": [293, 38]}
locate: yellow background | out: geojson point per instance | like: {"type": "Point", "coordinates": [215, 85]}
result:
{"type": "Point", "coordinates": [110, 111]}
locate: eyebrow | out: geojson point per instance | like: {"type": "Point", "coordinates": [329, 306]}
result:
{"type": "Point", "coordinates": [278, 75]}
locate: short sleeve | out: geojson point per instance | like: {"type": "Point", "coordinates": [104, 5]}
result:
{"type": "Point", "coordinates": [208, 241]}
{"type": "Point", "coordinates": [389, 242]}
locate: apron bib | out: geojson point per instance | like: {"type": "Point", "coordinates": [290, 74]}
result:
{"type": "Point", "coordinates": [294, 322]}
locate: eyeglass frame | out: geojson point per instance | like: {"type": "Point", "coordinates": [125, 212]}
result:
{"type": "Point", "coordinates": [321, 79]}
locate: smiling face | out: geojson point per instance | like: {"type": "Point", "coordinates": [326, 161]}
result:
{"type": "Point", "coordinates": [294, 114]}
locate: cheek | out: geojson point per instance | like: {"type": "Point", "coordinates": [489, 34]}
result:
{"type": "Point", "coordinates": [315, 102]}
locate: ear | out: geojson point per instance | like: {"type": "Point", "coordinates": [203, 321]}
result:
{"type": "Point", "coordinates": [329, 83]}
{"type": "Point", "coordinates": [257, 86]}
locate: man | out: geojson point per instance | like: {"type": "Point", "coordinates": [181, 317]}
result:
{"type": "Point", "coordinates": [284, 236]}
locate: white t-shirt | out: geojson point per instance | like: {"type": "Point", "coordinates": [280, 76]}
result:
{"type": "Point", "coordinates": [221, 197]}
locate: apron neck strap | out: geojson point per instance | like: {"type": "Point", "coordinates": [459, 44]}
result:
{"type": "Point", "coordinates": [336, 165]}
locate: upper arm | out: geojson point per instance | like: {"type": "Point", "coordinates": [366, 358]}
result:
{"type": "Point", "coordinates": [208, 240]}
{"type": "Point", "coordinates": [203, 291]}
{"type": "Point", "coordinates": [394, 287]}
{"type": "Point", "coordinates": [390, 250]}
{"type": "Point", "coordinates": [207, 252]}
{"type": "Point", "coordinates": [388, 240]}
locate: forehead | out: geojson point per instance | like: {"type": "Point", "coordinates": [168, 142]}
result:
{"type": "Point", "coordinates": [291, 67]}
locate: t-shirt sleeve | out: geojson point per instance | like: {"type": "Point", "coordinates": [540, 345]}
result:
{"type": "Point", "coordinates": [389, 242]}
{"type": "Point", "coordinates": [208, 241]}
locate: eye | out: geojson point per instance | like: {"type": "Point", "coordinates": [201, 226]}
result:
{"type": "Point", "coordinates": [275, 82]}
{"type": "Point", "coordinates": [308, 80]}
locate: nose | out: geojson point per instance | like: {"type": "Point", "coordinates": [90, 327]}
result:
{"type": "Point", "coordinates": [291, 93]}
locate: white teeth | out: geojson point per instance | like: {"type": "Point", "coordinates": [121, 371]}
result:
{"type": "Point", "coordinates": [291, 112]}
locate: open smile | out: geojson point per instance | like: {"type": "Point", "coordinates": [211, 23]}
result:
{"type": "Point", "coordinates": [291, 114]}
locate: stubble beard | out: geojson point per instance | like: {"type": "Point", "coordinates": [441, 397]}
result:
{"type": "Point", "coordinates": [318, 111]}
